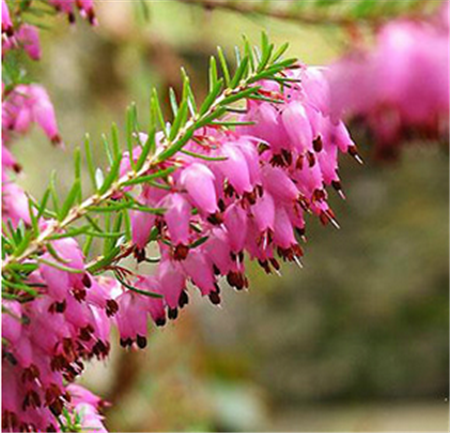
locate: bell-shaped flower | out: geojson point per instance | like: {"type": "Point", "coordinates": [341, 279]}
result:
{"type": "Point", "coordinates": [7, 25]}
{"type": "Point", "coordinates": [155, 306]}
{"type": "Point", "coordinates": [235, 168]}
{"type": "Point", "coordinates": [235, 221]}
{"type": "Point", "coordinates": [277, 182]}
{"type": "Point", "coordinates": [177, 218]}
{"type": "Point", "coordinates": [198, 180]}
{"type": "Point", "coordinates": [298, 127]}
{"type": "Point", "coordinates": [28, 37]}
{"type": "Point", "coordinates": [11, 320]}
{"type": "Point", "coordinates": [172, 281]}
{"type": "Point", "coordinates": [200, 271]}
{"type": "Point", "coordinates": [132, 319]}
{"type": "Point", "coordinates": [283, 233]}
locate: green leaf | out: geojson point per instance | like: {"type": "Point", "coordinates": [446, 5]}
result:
{"type": "Point", "coordinates": [70, 200]}
{"type": "Point", "coordinates": [152, 210]}
{"type": "Point", "coordinates": [112, 175]}
{"type": "Point", "coordinates": [149, 148]}
{"type": "Point", "coordinates": [130, 128]}
{"type": "Point", "coordinates": [267, 49]}
{"type": "Point", "coordinates": [199, 242]}
{"type": "Point", "coordinates": [19, 286]}
{"type": "Point", "coordinates": [243, 94]}
{"type": "Point", "coordinates": [212, 96]}
{"type": "Point", "coordinates": [249, 53]}
{"type": "Point", "coordinates": [127, 223]}
{"type": "Point", "coordinates": [90, 160]}
{"type": "Point", "coordinates": [220, 111]}
{"type": "Point", "coordinates": [53, 193]}
{"type": "Point", "coordinates": [147, 178]}
{"type": "Point", "coordinates": [107, 148]}
{"type": "Point", "coordinates": [135, 289]}
{"type": "Point", "coordinates": [34, 220]}
{"type": "Point", "coordinates": [223, 64]}
{"type": "Point", "coordinates": [87, 245]}
{"type": "Point", "coordinates": [70, 233]}
{"type": "Point", "coordinates": [205, 157]}
{"type": "Point", "coordinates": [23, 245]}
{"type": "Point", "coordinates": [110, 207]}
{"type": "Point", "coordinates": [180, 119]}
{"type": "Point", "coordinates": [115, 140]}
{"type": "Point", "coordinates": [157, 113]}
{"type": "Point", "coordinates": [173, 101]}
{"type": "Point", "coordinates": [279, 52]}
{"type": "Point", "coordinates": [43, 204]}
{"type": "Point", "coordinates": [212, 73]}
{"type": "Point", "coordinates": [60, 266]}
{"type": "Point", "coordinates": [229, 123]}
{"type": "Point", "coordinates": [240, 72]}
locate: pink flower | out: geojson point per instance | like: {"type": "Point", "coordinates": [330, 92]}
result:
{"type": "Point", "coordinates": [27, 104]}
{"type": "Point", "coordinates": [235, 220]}
{"type": "Point", "coordinates": [87, 405]}
{"type": "Point", "coordinates": [155, 306]}
{"type": "Point", "coordinates": [28, 37]}
{"type": "Point", "coordinates": [67, 7]}
{"type": "Point", "coordinates": [14, 203]}
{"type": "Point", "coordinates": [177, 218]}
{"type": "Point", "coordinates": [132, 319]}
{"type": "Point", "coordinates": [199, 269]}
{"type": "Point", "coordinates": [7, 25]}
{"type": "Point", "coordinates": [11, 321]}
{"type": "Point", "coordinates": [198, 180]}
{"type": "Point", "coordinates": [399, 85]}
{"type": "Point", "coordinates": [297, 126]}
{"type": "Point", "coordinates": [172, 282]}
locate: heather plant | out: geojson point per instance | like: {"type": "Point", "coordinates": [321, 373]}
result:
{"type": "Point", "coordinates": [237, 175]}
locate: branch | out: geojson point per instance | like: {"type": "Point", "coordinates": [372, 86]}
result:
{"type": "Point", "coordinates": [223, 92]}
{"type": "Point", "coordinates": [322, 12]}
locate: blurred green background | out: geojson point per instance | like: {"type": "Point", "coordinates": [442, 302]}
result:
{"type": "Point", "coordinates": [355, 341]}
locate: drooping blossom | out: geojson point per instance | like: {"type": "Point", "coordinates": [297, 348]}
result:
{"type": "Point", "coordinates": [26, 37]}
{"type": "Point", "coordinates": [48, 338]}
{"type": "Point", "coordinates": [250, 197]}
{"type": "Point", "coordinates": [25, 105]}
{"type": "Point", "coordinates": [14, 202]}
{"type": "Point", "coordinates": [7, 25]}
{"type": "Point", "coordinates": [400, 85]}
{"type": "Point", "coordinates": [86, 406]}
{"type": "Point", "coordinates": [69, 7]}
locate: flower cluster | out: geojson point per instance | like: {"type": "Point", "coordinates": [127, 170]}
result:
{"type": "Point", "coordinates": [24, 36]}
{"type": "Point", "coordinates": [242, 185]}
{"type": "Point", "coordinates": [22, 105]}
{"type": "Point", "coordinates": [69, 7]}
{"type": "Point", "coordinates": [47, 338]}
{"type": "Point", "coordinates": [249, 194]}
{"type": "Point", "coordinates": [402, 82]}
{"type": "Point", "coordinates": [56, 323]}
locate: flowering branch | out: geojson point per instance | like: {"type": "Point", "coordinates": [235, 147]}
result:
{"type": "Point", "coordinates": [233, 176]}
{"type": "Point", "coordinates": [224, 91]}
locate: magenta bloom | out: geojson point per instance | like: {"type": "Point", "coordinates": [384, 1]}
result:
{"type": "Point", "coordinates": [399, 85]}
{"type": "Point", "coordinates": [28, 37]}
{"type": "Point", "coordinates": [14, 203]}
{"type": "Point", "coordinates": [198, 180]}
{"type": "Point", "coordinates": [27, 104]}
{"type": "Point", "coordinates": [7, 25]}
